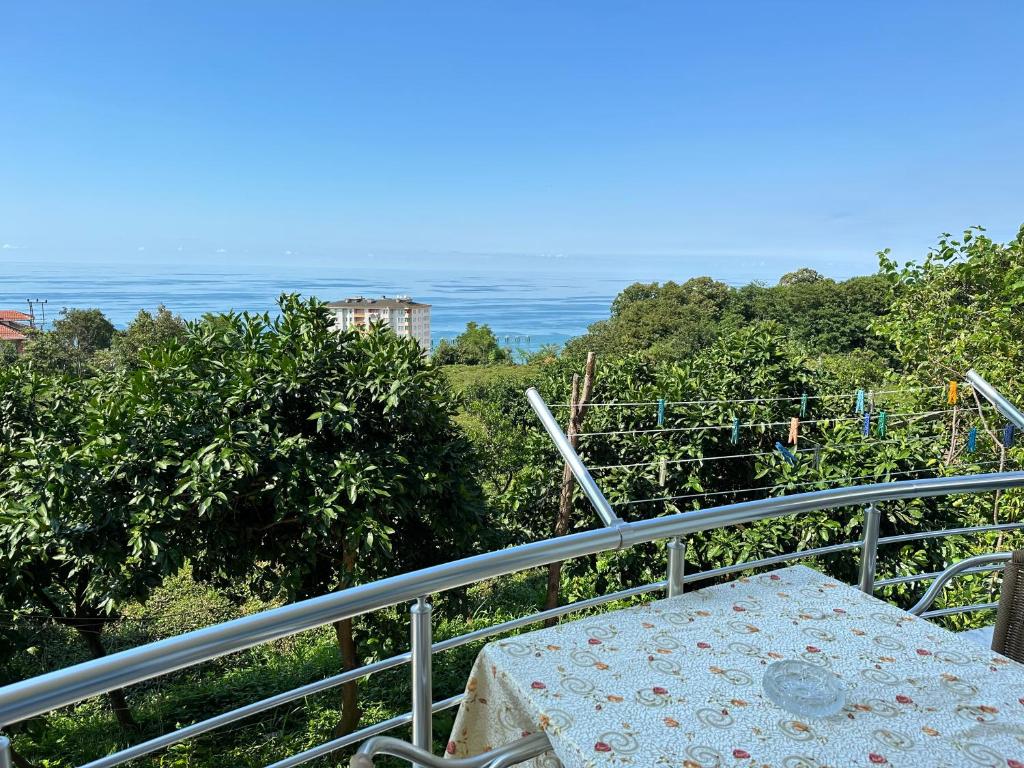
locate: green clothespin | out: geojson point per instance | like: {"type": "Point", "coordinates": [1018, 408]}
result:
{"type": "Point", "coordinates": [803, 405]}
{"type": "Point", "coordinates": [661, 412]}
{"type": "Point", "coordinates": [735, 430]}
{"type": "Point", "coordinates": [882, 426]}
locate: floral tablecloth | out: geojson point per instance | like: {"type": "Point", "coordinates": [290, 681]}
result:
{"type": "Point", "coordinates": [678, 683]}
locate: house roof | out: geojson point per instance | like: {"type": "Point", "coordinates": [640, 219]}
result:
{"type": "Point", "coordinates": [397, 302]}
{"type": "Point", "coordinates": [9, 334]}
{"type": "Point", "coordinates": [13, 314]}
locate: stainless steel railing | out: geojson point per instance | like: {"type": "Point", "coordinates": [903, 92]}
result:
{"type": "Point", "coordinates": [42, 694]}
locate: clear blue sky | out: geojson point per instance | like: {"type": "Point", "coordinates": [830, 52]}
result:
{"type": "Point", "coordinates": [246, 130]}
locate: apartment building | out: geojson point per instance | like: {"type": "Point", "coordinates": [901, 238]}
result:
{"type": "Point", "coordinates": [403, 315]}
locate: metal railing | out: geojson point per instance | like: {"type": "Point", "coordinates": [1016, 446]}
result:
{"type": "Point", "coordinates": [42, 694]}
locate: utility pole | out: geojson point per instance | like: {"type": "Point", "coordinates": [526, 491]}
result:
{"type": "Point", "coordinates": [42, 312]}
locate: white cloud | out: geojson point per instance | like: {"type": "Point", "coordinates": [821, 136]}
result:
{"type": "Point", "coordinates": [11, 247]}
{"type": "Point", "coordinates": [142, 247]}
{"type": "Point", "coordinates": [222, 250]}
{"type": "Point", "coordinates": [287, 253]}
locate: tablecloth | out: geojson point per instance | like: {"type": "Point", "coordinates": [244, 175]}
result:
{"type": "Point", "coordinates": [677, 682]}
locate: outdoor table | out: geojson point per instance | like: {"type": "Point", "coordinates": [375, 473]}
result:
{"type": "Point", "coordinates": [677, 682]}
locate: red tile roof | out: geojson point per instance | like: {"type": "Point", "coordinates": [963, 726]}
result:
{"type": "Point", "coordinates": [13, 314]}
{"type": "Point", "coordinates": [9, 334]}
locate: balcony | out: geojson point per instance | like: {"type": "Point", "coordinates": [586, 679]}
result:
{"type": "Point", "coordinates": [39, 695]}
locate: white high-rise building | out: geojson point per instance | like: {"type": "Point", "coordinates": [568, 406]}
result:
{"type": "Point", "coordinates": [403, 315]}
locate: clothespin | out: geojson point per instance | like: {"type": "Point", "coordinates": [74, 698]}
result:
{"type": "Point", "coordinates": [789, 457]}
{"type": "Point", "coordinates": [661, 412]}
{"type": "Point", "coordinates": [817, 456]}
{"type": "Point", "coordinates": [794, 430]}
{"type": "Point", "coordinates": [662, 471]}
{"type": "Point", "coordinates": [972, 440]}
{"type": "Point", "coordinates": [735, 430]}
{"type": "Point", "coordinates": [867, 424]}
{"type": "Point", "coordinates": [1008, 436]}
{"type": "Point", "coordinates": [951, 398]}
{"type": "Point", "coordinates": [882, 425]}
{"type": "Point", "coordinates": [860, 401]}
{"type": "Point", "coordinates": [803, 405]}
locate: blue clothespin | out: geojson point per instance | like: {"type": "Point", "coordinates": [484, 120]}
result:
{"type": "Point", "coordinates": [661, 412]}
{"type": "Point", "coordinates": [867, 424]}
{"type": "Point", "coordinates": [735, 430]}
{"type": "Point", "coordinates": [803, 405]}
{"type": "Point", "coordinates": [1008, 436]}
{"type": "Point", "coordinates": [860, 401]}
{"type": "Point", "coordinates": [785, 453]}
{"type": "Point", "coordinates": [972, 440]}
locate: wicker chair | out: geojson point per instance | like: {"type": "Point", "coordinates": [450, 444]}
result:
{"type": "Point", "coordinates": [1008, 635]}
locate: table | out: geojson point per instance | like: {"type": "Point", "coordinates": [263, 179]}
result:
{"type": "Point", "coordinates": [677, 683]}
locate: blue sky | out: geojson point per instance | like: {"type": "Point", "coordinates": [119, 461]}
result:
{"type": "Point", "coordinates": [493, 132]}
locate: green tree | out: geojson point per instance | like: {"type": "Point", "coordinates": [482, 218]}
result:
{"type": "Point", "coordinates": [962, 306]}
{"type": "Point", "coordinates": [147, 331]}
{"type": "Point", "coordinates": [477, 345]}
{"type": "Point", "coordinates": [77, 335]}
{"type": "Point", "coordinates": [328, 459]}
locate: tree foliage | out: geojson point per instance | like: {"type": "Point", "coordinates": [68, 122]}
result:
{"type": "Point", "coordinates": [477, 345]}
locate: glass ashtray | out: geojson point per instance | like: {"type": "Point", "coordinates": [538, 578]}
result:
{"type": "Point", "coordinates": [803, 689]}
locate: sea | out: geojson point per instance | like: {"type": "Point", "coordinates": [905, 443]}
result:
{"type": "Point", "coordinates": [527, 302]}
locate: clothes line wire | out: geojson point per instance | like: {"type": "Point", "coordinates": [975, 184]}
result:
{"type": "Point", "coordinates": [655, 462]}
{"type": "Point", "coordinates": [754, 424]}
{"type": "Point", "coordinates": [633, 502]}
{"type": "Point", "coordinates": [796, 398]}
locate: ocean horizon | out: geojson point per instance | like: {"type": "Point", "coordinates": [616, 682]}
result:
{"type": "Point", "coordinates": [547, 302]}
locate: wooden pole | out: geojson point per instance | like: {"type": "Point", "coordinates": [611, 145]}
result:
{"type": "Point", "coordinates": [577, 403]}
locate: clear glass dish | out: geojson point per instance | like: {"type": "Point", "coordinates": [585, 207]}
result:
{"type": "Point", "coordinates": [803, 689]}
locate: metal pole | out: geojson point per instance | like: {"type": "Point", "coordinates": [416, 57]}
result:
{"type": "Point", "coordinates": [990, 393]}
{"type": "Point", "coordinates": [590, 488]}
{"type": "Point", "coordinates": [676, 565]}
{"type": "Point", "coordinates": [5, 752]}
{"type": "Point", "coordinates": [869, 551]}
{"type": "Point", "coordinates": [422, 684]}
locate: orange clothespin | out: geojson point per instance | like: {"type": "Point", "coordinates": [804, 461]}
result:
{"type": "Point", "coordinates": [794, 430]}
{"type": "Point", "coordinates": [952, 393]}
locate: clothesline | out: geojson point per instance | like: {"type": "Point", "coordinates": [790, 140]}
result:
{"type": "Point", "coordinates": [691, 460]}
{"type": "Point", "coordinates": [920, 414]}
{"type": "Point", "coordinates": [633, 502]}
{"type": "Point", "coordinates": [795, 398]}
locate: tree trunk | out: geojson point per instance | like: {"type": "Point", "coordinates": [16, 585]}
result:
{"type": "Point", "coordinates": [350, 713]}
{"type": "Point", "coordinates": [118, 703]}
{"type": "Point", "coordinates": [577, 402]}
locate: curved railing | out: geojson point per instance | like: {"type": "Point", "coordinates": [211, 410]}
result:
{"type": "Point", "coordinates": [36, 696]}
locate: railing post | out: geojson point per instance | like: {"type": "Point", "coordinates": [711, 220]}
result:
{"type": "Point", "coordinates": [869, 549]}
{"type": "Point", "coordinates": [422, 683]}
{"type": "Point", "coordinates": [5, 752]}
{"type": "Point", "coordinates": [676, 565]}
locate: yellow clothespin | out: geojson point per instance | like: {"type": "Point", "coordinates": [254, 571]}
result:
{"type": "Point", "coordinates": [952, 393]}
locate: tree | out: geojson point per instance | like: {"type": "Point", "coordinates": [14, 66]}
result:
{"type": "Point", "coordinates": [68, 348]}
{"type": "Point", "coordinates": [330, 458]}
{"type": "Point", "coordinates": [477, 345]}
{"type": "Point", "coordinates": [146, 332]}
{"type": "Point", "coordinates": [85, 525]}
{"type": "Point", "coordinates": [802, 276]}
{"type": "Point", "coordinates": [961, 307]}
